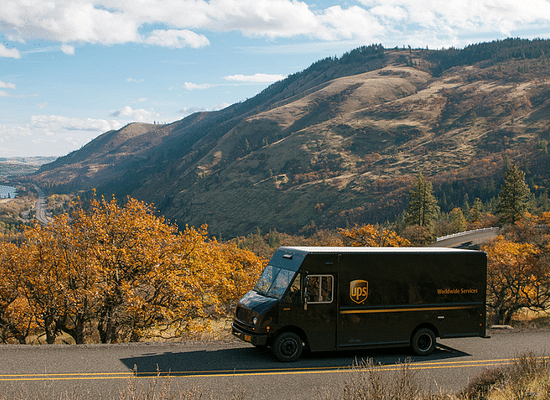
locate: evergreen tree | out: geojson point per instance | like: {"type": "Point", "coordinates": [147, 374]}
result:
{"type": "Point", "coordinates": [513, 197]}
{"type": "Point", "coordinates": [476, 211]}
{"type": "Point", "coordinates": [458, 221]}
{"type": "Point", "coordinates": [422, 208]}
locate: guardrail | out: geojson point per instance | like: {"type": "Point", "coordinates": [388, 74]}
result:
{"type": "Point", "coordinates": [465, 233]}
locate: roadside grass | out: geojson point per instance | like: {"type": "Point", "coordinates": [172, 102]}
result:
{"type": "Point", "coordinates": [528, 377]}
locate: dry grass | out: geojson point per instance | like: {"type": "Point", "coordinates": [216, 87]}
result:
{"type": "Point", "coordinates": [527, 378]}
{"type": "Point", "coordinates": [369, 382]}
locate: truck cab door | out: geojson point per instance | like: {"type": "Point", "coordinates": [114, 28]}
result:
{"type": "Point", "coordinates": [319, 315]}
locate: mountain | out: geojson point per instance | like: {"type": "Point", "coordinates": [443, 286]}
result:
{"type": "Point", "coordinates": [338, 143]}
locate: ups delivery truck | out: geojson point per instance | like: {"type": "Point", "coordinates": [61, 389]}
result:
{"type": "Point", "coordinates": [341, 298]}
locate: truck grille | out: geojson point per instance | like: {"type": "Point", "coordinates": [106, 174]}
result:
{"type": "Point", "coordinates": [242, 314]}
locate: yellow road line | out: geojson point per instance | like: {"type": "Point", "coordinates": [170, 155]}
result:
{"type": "Point", "coordinates": [251, 372]}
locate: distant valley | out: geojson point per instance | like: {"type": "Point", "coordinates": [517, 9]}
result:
{"type": "Point", "coordinates": [15, 166]}
{"type": "Point", "coordinates": [336, 144]}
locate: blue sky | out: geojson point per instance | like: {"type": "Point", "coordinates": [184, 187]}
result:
{"type": "Point", "coordinates": [73, 69]}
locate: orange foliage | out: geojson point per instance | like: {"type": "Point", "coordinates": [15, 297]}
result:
{"type": "Point", "coordinates": [512, 277]}
{"type": "Point", "coordinates": [372, 236]}
{"type": "Point", "coordinates": [120, 270]}
{"type": "Point", "coordinates": [16, 318]}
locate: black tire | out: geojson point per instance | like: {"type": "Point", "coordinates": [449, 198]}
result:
{"type": "Point", "coordinates": [423, 342]}
{"type": "Point", "coordinates": [288, 347]}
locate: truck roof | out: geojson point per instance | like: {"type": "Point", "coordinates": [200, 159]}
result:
{"type": "Point", "coordinates": [315, 249]}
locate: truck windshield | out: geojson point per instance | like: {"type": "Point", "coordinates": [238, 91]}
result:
{"type": "Point", "coordinates": [274, 281]}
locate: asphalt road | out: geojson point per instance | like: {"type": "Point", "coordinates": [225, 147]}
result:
{"type": "Point", "coordinates": [467, 240]}
{"type": "Point", "coordinates": [40, 207]}
{"type": "Point", "coordinates": [232, 370]}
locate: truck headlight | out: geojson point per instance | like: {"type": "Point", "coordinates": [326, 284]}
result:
{"type": "Point", "coordinates": [254, 321]}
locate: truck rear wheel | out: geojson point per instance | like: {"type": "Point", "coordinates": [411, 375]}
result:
{"type": "Point", "coordinates": [423, 342]}
{"type": "Point", "coordinates": [288, 347]}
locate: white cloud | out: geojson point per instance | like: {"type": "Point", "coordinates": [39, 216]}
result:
{"type": "Point", "coordinates": [123, 21]}
{"type": "Point", "coordinates": [455, 18]}
{"type": "Point", "coordinates": [191, 110]}
{"type": "Point", "coordinates": [5, 85]}
{"type": "Point", "coordinates": [50, 125]}
{"type": "Point", "coordinates": [67, 49]}
{"type": "Point", "coordinates": [221, 106]}
{"type": "Point", "coordinates": [51, 135]}
{"type": "Point", "coordinates": [134, 80]}
{"type": "Point", "coordinates": [195, 86]}
{"type": "Point", "coordinates": [256, 78]}
{"type": "Point", "coordinates": [390, 12]}
{"type": "Point", "coordinates": [238, 78]}
{"type": "Point", "coordinates": [139, 115]}
{"type": "Point", "coordinates": [9, 53]}
{"type": "Point", "coordinates": [185, 111]}
{"type": "Point", "coordinates": [3, 93]}
{"type": "Point", "coordinates": [269, 18]}
{"type": "Point", "coordinates": [176, 39]}
{"type": "Point", "coordinates": [352, 23]}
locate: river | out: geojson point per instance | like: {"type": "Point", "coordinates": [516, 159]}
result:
{"type": "Point", "coordinates": [7, 192]}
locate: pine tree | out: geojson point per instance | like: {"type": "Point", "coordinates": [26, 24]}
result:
{"type": "Point", "coordinates": [513, 197]}
{"type": "Point", "coordinates": [476, 211]}
{"type": "Point", "coordinates": [422, 208]}
{"type": "Point", "coordinates": [458, 221]}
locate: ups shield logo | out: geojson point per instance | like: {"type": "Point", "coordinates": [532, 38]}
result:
{"type": "Point", "coordinates": [358, 291]}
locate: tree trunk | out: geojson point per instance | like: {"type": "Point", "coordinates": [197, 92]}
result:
{"type": "Point", "coordinates": [107, 326]}
{"type": "Point", "coordinates": [50, 329]}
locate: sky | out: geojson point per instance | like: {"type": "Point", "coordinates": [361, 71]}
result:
{"type": "Point", "coordinates": [73, 69]}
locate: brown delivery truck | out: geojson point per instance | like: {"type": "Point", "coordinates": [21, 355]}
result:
{"type": "Point", "coordinates": [341, 298]}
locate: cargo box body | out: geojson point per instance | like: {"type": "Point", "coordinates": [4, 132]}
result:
{"type": "Point", "coordinates": [335, 298]}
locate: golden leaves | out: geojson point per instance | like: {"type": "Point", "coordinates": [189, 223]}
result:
{"type": "Point", "coordinates": [518, 269]}
{"type": "Point", "coordinates": [372, 236]}
{"type": "Point", "coordinates": [124, 272]}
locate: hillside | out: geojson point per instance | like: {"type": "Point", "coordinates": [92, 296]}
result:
{"type": "Point", "coordinates": [337, 143]}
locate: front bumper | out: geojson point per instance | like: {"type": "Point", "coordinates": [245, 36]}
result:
{"type": "Point", "coordinates": [250, 337]}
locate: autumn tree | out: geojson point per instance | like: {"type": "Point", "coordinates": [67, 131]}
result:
{"type": "Point", "coordinates": [417, 235]}
{"type": "Point", "coordinates": [149, 273]}
{"type": "Point", "coordinates": [511, 277]}
{"type": "Point", "coordinates": [519, 267]}
{"type": "Point", "coordinates": [237, 272]}
{"type": "Point", "coordinates": [45, 277]}
{"type": "Point", "coordinates": [513, 197]}
{"type": "Point", "coordinates": [122, 270]}
{"type": "Point", "coordinates": [422, 207]}
{"type": "Point", "coordinates": [16, 317]}
{"type": "Point", "coordinates": [372, 236]}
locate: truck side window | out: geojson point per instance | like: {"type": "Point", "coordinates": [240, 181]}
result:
{"type": "Point", "coordinates": [320, 288]}
{"type": "Point", "coordinates": [294, 294]}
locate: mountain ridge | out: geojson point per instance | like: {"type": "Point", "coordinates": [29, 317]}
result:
{"type": "Point", "coordinates": [338, 143]}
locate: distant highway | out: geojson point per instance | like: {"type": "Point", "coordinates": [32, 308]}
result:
{"type": "Point", "coordinates": [40, 207]}
{"type": "Point", "coordinates": [467, 240]}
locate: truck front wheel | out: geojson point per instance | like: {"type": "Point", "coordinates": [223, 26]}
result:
{"type": "Point", "coordinates": [287, 347]}
{"type": "Point", "coordinates": [423, 342]}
